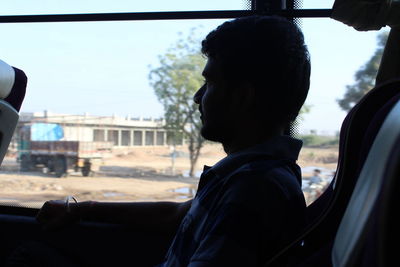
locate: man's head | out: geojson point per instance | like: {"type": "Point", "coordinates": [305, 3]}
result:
{"type": "Point", "coordinates": [258, 70]}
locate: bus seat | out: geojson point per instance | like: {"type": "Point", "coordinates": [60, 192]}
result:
{"type": "Point", "coordinates": [326, 212]}
{"type": "Point", "coordinates": [357, 240]}
{"type": "Point", "coordinates": [13, 83]}
{"type": "Point", "coordinates": [386, 230]}
{"type": "Point", "coordinates": [17, 94]}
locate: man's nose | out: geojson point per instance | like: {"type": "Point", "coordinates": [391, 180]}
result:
{"type": "Point", "coordinates": [199, 95]}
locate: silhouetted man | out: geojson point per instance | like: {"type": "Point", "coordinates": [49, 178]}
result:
{"type": "Point", "coordinates": [250, 203]}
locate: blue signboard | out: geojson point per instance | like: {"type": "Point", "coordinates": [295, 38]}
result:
{"type": "Point", "coordinates": [46, 132]}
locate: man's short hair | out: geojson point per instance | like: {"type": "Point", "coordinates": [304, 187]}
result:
{"type": "Point", "coordinates": [269, 53]}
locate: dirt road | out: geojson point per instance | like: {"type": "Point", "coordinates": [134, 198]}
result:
{"type": "Point", "coordinates": [140, 175]}
{"type": "Point", "coordinates": [33, 189]}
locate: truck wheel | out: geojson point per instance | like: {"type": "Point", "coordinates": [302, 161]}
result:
{"type": "Point", "coordinates": [50, 165]}
{"type": "Point", "coordinates": [26, 164]}
{"type": "Point", "coordinates": [60, 166]}
{"type": "Point", "coordinates": [86, 169]}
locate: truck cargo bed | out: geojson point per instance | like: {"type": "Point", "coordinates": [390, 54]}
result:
{"type": "Point", "coordinates": [71, 148]}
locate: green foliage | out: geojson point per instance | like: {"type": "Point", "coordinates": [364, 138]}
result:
{"type": "Point", "coordinates": [304, 110]}
{"type": "Point", "coordinates": [175, 82]}
{"type": "Point", "coordinates": [312, 140]}
{"type": "Point", "coordinates": [364, 77]}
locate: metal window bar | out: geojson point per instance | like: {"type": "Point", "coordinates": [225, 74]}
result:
{"type": "Point", "coordinates": [179, 15]}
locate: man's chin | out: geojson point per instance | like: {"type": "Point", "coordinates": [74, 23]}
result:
{"type": "Point", "coordinates": [211, 134]}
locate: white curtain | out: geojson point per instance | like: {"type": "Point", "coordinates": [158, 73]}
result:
{"type": "Point", "coordinates": [364, 15]}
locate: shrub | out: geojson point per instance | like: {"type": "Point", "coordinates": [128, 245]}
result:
{"type": "Point", "coordinates": [312, 140]}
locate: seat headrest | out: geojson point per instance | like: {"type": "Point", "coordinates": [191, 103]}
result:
{"type": "Point", "coordinates": [13, 83]}
{"type": "Point", "coordinates": [17, 94]}
{"type": "Point", "coordinates": [7, 78]}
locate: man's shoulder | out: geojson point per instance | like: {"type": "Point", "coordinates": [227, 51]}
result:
{"type": "Point", "coordinates": [267, 169]}
{"type": "Point", "coordinates": [278, 148]}
{"type": "Point", "coordinates": [264, 177]}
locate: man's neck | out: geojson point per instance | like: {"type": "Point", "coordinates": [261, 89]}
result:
{"type": "Point", "coordinates": [245, 140]}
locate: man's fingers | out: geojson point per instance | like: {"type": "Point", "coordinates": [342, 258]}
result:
{"type": "Point", "coordinates": [52, 214]}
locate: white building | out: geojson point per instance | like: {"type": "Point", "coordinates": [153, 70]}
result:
{"type": "Point", "coordinates": [123, 132]}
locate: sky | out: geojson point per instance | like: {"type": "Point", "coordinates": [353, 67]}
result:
{"type": "Point", "coordinates": [102, 68]}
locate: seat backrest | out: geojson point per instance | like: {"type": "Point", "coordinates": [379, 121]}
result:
{"type": "Point", "coordinates": [327, 211]}
{"type": "Point", "coordinates": [369, 194]}
{"type": "Point", "coordinates": [386, 230]}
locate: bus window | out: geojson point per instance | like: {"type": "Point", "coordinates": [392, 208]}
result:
{"type": "Point", "coordinates": [90, 91]}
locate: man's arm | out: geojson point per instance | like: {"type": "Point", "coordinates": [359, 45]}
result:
{"type": "Point", "coordinates": [163, 217]}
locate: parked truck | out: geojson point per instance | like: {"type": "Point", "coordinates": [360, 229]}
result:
{"type": "Point", "coordinates": [42, 145]}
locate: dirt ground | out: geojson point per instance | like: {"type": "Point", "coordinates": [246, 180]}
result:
{"type": "Point", "coordinates": [141, 174]}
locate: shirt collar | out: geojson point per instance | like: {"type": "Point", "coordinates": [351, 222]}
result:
{"type": "Point", "coordinates": [279, 147]}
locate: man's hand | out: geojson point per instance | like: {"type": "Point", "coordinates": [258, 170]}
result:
{"type": "Point", "coordinates": [367, 15]}
{"type": "Point", "coordinates": [55, 214]}
{"type": "Point", "coordinates": [163, 217]}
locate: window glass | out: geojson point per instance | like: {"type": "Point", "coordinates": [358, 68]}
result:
{"type": "Point", "coordinates": [337, 53]}
{"type": "Point", "coordinates": [41, 7]}
{"type": "Point", "coordinates": [92, 80]}
{"type": "Point", "coordinates": [317, 3]}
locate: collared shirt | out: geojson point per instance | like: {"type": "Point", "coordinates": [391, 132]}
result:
{"type": "Point", "coordinates": [247, 206]}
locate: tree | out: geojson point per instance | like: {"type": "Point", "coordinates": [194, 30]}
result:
{"type": "Point", "coordinates": [175, 82]}
{"type": "Point", "coordinates": [364, 77]}
{"type": "Point", "coordinates": [304, 110]}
